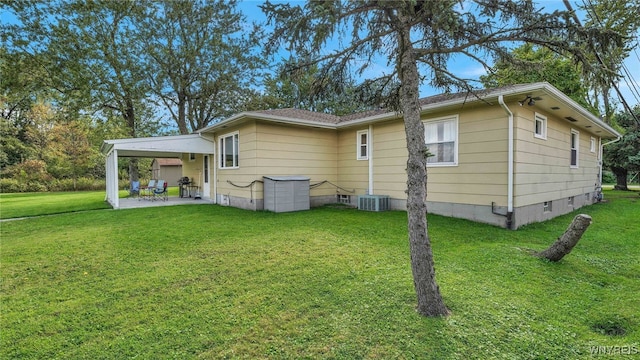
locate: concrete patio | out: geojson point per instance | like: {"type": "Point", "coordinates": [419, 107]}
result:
{"type": "Point", "coordinates": [135, 202]}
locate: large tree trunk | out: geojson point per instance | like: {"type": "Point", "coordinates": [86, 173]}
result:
{"type": "Point", "coordinates": [568, 240]}
{"type": "Point", "coordinates": [130, 118]}
{"type": "Point", "coordinates": [430, 301]}
{"type": "Point", "coordinates": [621, 177]}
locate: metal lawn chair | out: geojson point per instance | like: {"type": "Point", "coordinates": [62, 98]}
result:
{"type": "Point", "coordinates": [146, 192]}
{"type": "Point", "coordinates": [134, 189]}
{"type": "Point", "coordinates": [160, 191]}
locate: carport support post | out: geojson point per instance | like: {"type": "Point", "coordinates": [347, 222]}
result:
{"type": "Point", "coordinates": [111, 179]}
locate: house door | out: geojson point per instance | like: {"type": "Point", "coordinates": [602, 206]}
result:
{"type": "Point", "coordinates": [206, 189]}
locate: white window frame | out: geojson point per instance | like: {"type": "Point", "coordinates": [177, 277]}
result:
{"type": "Point", "coordinates": [574, 147]}
{"type": "Point", "coordinates": [454, 120]}
{"type": "Point", "coordinates": [547, 206]}
{"type": "Point", "coordinates": [235, 137]}
{"type": "Point", "coordinates": [359, 145]}
{"type": "Point", "coordinates": [192, 157]}
{"type": "Point", "coordinates": [539, 118]}
{"type": "Point", "coordinates": [592, 146]}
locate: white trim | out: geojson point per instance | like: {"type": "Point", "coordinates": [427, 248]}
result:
{"type": "Point", "coordinates": [236, 148]}
{"type": "Point", "coordinates": [592, 144]}
{"type": "Point", "coordinates": [543, 120]}
{"type": "Point", "coordinates": [454, 119]}
{"type": "Point", "coordinates": [577, 148]}
{"type": "Point", "coordinates": [359, 144]}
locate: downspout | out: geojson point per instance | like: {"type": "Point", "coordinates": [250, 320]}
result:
{"type": "Point", "coordinates": [509, 164]}
{"type": "Point", "coordinates": [370, 157]}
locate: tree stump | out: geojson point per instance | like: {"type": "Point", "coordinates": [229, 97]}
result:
{"type": "Point", "coordinates": [568, 240]}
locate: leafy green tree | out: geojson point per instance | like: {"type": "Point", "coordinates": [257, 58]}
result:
{"type": "Point", "coordinates": [620, 17]}
{"type": "Point", "coordinates": [69, 153]}
{"type": "Point", "coordinates": [89, 54]}
{"type": "Point", "coordinates": [418, 39]}
{"type": "Point", "coordinates": [298, 89]}
{"type": "Point", "coordinates": [529, 63]}
{"type": "Point", "coordinates": [200, 59]}
{"type": "Point", "coordinates": [623, 156]}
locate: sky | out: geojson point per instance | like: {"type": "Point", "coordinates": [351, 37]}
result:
{"type": "Point", "coordinates": [468, 69]}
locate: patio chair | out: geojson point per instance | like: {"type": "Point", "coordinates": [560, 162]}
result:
{"type": "Point", "coordinates": [146, 192]}
{"type": "Point", "coordinates": [160, 191]}
{"type": "Point", "coordinates": [134, 189]}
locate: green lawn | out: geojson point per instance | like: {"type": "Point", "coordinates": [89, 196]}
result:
{"type": "Point", "coordinates": [19, 205]}
{"type": "Point", "coordinates": [203, 281]}
{"type": "Point", "coordinates": [34, 204]}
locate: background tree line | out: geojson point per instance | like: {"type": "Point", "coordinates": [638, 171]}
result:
{"type": "Point", "coordinates": [73, 73]}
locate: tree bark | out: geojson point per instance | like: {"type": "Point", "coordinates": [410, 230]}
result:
{"type": "Point", "coordinates": [621, 177]}
{"type": "Point", "coordinates": [430, 301]}
{"type": "Point", "coordinates": [568, 240]}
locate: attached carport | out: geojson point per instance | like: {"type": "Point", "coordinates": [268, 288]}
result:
{"type": "Point", "coordinates": [161, 146]}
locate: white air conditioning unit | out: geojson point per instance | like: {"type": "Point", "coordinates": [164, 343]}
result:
{"type": "Point", "coordinates": [373, 202]}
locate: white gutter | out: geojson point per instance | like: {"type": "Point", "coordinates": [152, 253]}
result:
{"type": "Point", "coordinates": [509, 159]}
{"type": "Point", "coordinates": [370, 157]}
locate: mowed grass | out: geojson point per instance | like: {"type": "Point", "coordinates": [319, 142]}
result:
{"type": "Point", "coordinates": [203, 281]}
{"type": "Point", "coordinates": [16, 205]}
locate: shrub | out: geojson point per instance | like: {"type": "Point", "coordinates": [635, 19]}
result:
{"type": "Point", "coordinates": [608, 177]}
{"type": "Point", "coordinates": [11, 186]}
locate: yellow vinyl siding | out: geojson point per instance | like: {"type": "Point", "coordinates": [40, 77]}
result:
{"type": "Point", "coordinates": [542, 167]}
{"type": "Point", "coordinates": [390, 159]}
{"type": "Point", "coordinates": [353, 174]}
{"type": "Point", "coordinates": [480, 177]}
{"type": "Point", "coordinates": [285, 151]}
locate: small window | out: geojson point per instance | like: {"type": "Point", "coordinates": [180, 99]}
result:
{"type": "Point", "coordinates": [363, 145]}
{"type": "Point", "coordinates": [229, 149]}
{"type": "Point", "coordinates": [592, 146]}
{"type": "Point", "coordinates": [587, 196]}
{"type": "Point", "coordinates": [441, 138]}
{"type": "Point", "coordinates": [540, 126]}
{"type": "Point", "coordinates": [192, 157]}
{"type": "Point", "coordinates": [344, 199]}
{"type": "Point", "coordinates": [570, 201]}
{"type": "Point", "coordinates": [575, 136]}
{"type": "Point", "coordinates": [546, 207]}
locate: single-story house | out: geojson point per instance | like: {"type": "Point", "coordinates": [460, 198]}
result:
{"type": "Point", "coordinates": [507, 156]}
{"type": "Point", "coordinates": [167, 169]}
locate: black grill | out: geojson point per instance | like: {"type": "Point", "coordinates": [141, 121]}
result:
{"type": "Point", "coordinates": [183, 185]}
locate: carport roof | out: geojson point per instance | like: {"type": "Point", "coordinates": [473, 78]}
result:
{"type": "Point", "coordinates": [160, 146]}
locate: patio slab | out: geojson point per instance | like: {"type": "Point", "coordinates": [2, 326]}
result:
{"type": "Point", "coordinates": [132, 203]}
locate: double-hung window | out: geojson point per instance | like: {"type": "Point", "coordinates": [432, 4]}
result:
{"type": "Point", "coordinates": [540, 126]}
{"type": "Point", "coordinates": [441, 138]}
{"type": "Point", "coordinates": [363, 145]}
{"type": "Point", "coordinates": [574, 148]}
{"type": "Point", "coordinates": [228, 149]}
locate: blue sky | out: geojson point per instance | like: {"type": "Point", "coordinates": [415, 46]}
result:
{"type": "Point", "coordinates": [469, 69]}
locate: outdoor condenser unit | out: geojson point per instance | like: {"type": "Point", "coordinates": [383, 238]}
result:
{"type": "Point", "coordinates": [373, 202]}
